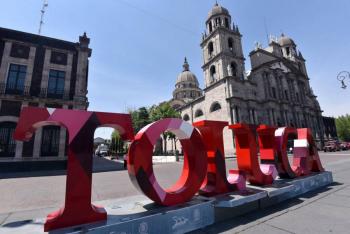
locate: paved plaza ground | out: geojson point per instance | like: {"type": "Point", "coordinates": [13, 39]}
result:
{"type": "Point", "coordinates": [31, 195]}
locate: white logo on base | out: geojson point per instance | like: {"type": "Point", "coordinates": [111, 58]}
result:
{"type": "Point", "coordinates": [179, 221]}
{"type": "Point", "coordinates": [143, 228]}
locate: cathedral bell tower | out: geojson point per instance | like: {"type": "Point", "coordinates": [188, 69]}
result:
{"type": "Point", "coordinates": [222, 47]}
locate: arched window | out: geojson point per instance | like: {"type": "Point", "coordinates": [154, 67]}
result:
{"type": "Point", "coordinates": [186, 117]}
{"type": "Point", "coordinates": [227, 25]}
{"type": "Point", "coordinates": [210, 27]}
{"type": "Point", "coordinates": [287, 51]}
{"type": "Point", "coordinates": [233, 68]}
{"type": "Point", "coordinates": [217, 21]}
{"type": "Point", "coordinates": [212, 73]}
{"type": "Point", "coordinates": [7, 143]}
{"type": "Point", "coordinates": [198, 113]}
{"type": "Point", "coordinates": [215, 106]}
{"type": "Point", "coordinates": [210, 48]}
{"type": "Point", "coordinates": [230, 43]}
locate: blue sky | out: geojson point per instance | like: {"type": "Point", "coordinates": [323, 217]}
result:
{"type": "Point", "coordinates": [139, 46]}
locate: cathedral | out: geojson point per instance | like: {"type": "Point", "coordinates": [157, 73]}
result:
{"type": "Point", "coordinates": [276, 91]}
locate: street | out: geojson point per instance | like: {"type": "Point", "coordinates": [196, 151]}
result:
{"type": "Point", "coordinates": [36, 196]}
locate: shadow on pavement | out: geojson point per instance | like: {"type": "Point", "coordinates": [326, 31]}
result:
{"type": "Point", "coordinates": [54, 168]}
{"type": "Point", "coordinates": [260, 213]}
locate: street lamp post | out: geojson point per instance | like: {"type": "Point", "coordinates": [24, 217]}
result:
{"type": "Point", "coordinates": [342, 76]}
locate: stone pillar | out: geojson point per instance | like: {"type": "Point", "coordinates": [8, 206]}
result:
{"type": "Point", "coordinates": [45, 74]}
{"type": "Point", "coordinates": [37, 139]}
{"type": "Point", "coordinates": [19, 149]}
{"type": "Point", "coordinates": [19, 144]}
{"type": "Point", "coordinates": [29, 74]}
{"type": "Point", "coordinates": [68, 76]}
{"type": "Point", "coordinates": [4, 65]}
{"type": "Point", "coordinates": [80, 85]}
{"type": "Point", "coordinates": [37, 143]}
{"type": "Point", "coordinates": [273, 115]}
{"type": "Point", "coordinates": [84, 52]}
{"type": "Point", "coordinates": [233, 111]}
{"type": "Point", "coordinates": [62, 144]}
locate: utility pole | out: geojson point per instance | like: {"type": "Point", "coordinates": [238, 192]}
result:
{"type": "Point", "coordinates": [45, 5]}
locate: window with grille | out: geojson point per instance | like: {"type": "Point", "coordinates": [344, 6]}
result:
{"type": "Point", "coordinates": [15, 79]}
{"type": "Point", "coordinates": [7, 143]}
{"type": "Point", "coordinates": [55, 88]}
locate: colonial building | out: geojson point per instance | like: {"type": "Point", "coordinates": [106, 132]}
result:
{"type": "Point", "coordinates": [276, 91]}
{"type": "Point", "coordinates": [41, 72]}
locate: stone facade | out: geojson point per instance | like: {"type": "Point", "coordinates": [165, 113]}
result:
{"type": "Point", "coordinates": [42, 72]}
{"type": "Point", "coordinates": [275, 92]}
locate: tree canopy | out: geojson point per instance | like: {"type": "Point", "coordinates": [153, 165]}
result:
{"type": "Point", "coordinates": [163, 110]}
{"type": "Point", "coordinates": [140, 118]}
{"type": "Point", "coordinates": [343, 127]}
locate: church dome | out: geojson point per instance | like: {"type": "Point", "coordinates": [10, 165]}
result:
{"type": "Point", "coordinates": [218, 10]}
{"type": "Point", "coordinates": [284, 40]}
{"type": "Point", "coordinates": [186, 87]}
{"type": "Point", "coordinates": [186, 75]}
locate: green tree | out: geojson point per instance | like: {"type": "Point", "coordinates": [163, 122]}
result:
{"type": "Point", "coordinates": [162, 111]}
{"type": "Point", "coordinates": [140, 118]}
{"type": "Point", "coordinates": [343, 127]}
{"type": "Point", "coordinates": [117, 144]}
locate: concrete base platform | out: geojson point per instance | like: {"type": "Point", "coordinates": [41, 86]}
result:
{"type": "Point", "coordinates": [239, 198]}
{"type": "Point", "coordinates": [280, 190]}
{"type": "Point", "coordinates": [140, 215]}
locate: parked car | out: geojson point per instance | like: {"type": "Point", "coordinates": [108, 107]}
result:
{"type": "Point", "coordinates": [102, 150]}
{"type": "Point", "coordinates": [344, 146]}
{"type": "Point", "coordinates": [331, 146]}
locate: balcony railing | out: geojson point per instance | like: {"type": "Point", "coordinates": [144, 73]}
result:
{"type": "Point", "coordinates": [53, 93]}
{"type": "Point", "coordinates": [13, 89]}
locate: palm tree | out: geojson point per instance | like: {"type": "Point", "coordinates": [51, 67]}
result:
{"type": "Point", "coordinates": [162, 111]}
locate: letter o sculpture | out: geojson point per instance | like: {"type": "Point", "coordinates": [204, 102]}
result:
{"type": "Point", "coordinates": [140, 166]}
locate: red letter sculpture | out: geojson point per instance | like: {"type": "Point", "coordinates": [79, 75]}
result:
{"type": "Point", "coordinates": [199, 147]}
{"type": "Point", "coordinates": [216, 181]}
{"type": "Point", "coordinates": [195, 162]}
{"type": "Point", "coordinates": [305, 156]}
{"type": "Point", "coordinates": [81, 126]}
{"type": "Point", "coordinates": [247, 158]}
{"type": "Point", "coordinates": [305, 153]}
{"type": "Point", "coordinates": [285, 170]}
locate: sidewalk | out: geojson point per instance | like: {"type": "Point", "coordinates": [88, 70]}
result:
{"type": "Point", "coordinates": [323, 211]}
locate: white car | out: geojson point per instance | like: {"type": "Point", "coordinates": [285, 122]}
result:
{"type": "Point", "coordinates": [102, 150]}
